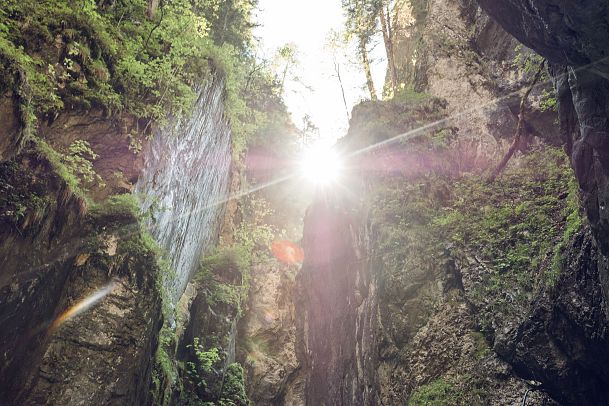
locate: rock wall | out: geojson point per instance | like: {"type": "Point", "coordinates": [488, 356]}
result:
{"type": "Point", "coordinates": [54, 256]}
{"type": "Point", "coordinates": [337, 307]}
{"type": "Point", "coordinates": [574, 39]}
{"type": "Point", "coordinates": [269, 337]}
{"type": "Point", "coordinates": [389, 309]}
{"type": "Point", "coordinates": [184, 183]}
{"type": "Point", "coordinates": [452, 50]}
{"type": "Point", "coordinates": [568, 323]}
{"type": "Point", "coordinates": [62, 244]}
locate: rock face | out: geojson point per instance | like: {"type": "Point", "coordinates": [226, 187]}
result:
{"type": "Point", "coordinates": [453, 50]}
{"type": "Point", "coordinates": [575, 38]}
{"type": "Point", "coordinates": [53, 258]}
{"type": "Point", "coordinates": [59, 249]}
{"type": "Point", "coordinates": [338, 312]}
{"type": "Point", "coordinates": [386, 309]}
{"type": "Point", "coordinates": [184, 183]}
{"type": "Point", "coordinates": [563, 341]}
{"type": "Point", "coordinates": [270, 338]}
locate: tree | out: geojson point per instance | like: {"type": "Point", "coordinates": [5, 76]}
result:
{"type": "Point", "coordinates": [521, 137]}
{"type": "Point", "coordinates": [387, 8]}
{"type": "Point", "coordinates": [361, 25]}
{"type": "Point", "coordinates": [286, 56]}
{"type": "Point", "coordinates": [229, 20]}
{"type": "Point", "coordinates": [309, 129]}
{"type": "Point", "coordinates": [334, 44]}
{"type": "Point", "coordinates": [151, 10]}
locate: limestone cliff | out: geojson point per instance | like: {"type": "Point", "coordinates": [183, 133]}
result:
{"type": "Point", "coordinates": [453, 50]}
{"type": "Point", "coordinates": [573, 38]}
{"type": "Point", "coordinates": [414, 306]}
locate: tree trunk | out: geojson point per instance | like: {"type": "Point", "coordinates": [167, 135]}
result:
{"type": "Point", "coordinates": [388, 40]}
{"type": "Point", "coordinates": [520, 138]}
{"type": "Point", "coordinates": [342, 89]}
{"type": "Point", "coordinates": [366, 65]}
{"type": "Point", "coordinates": [151, 10]}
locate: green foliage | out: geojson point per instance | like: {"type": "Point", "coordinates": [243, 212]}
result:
{"type": "Point", "coordinates": [436, 393]}
{"type": "Point", "coordinates": [405, 94]}
{"type": "Point", "coordinates": [165, 373]}
{"type": "Point", "coordinates": [512, 226]}
{"type": "Point", "coordinates": [225, 274]}
{"type": "Point", "coordinates": [527, 62]}
{"type": "Point", "coordinates": [57, 160]}
{"type": "Point", "coordinates": [574, 220]}
{"type": "Point", "coordinates": [361, 19]}
{"type": "Point", "coordinates": [458, 391]}
{"type": "Point", "coordinates": [548, 101]}
{"type": "Point", "coordinates": [255, 234]}
{"type": "Point", "coordinates": [514, 229]}
{"type": "Point", "coordinates": [123, 205]}
{"type": "Point", "coordinates": [116, 57]}
{"type": "Point", "coordinates": [233, 389]}
{"type": "Point", "coordinates": [78, 161]}
{"type": "Point", "coordinates": [206, 363]}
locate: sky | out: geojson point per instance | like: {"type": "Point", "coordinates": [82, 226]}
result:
{"type": "Point", "coordinates": [317, 91]}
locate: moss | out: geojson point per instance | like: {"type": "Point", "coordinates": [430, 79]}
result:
{"type": "Point", "coordinates": [165, 376]}
{"type": "Point", "coordinates": [56, 160]}
{"type": "Point", "coordinates": [435, 393]}
{"type": "Point", "coordinates": [115, 58]}
{"type": "Point", "coordinates": [481, 347]}
{"type": "Point", "coordinates": [233, 389]}
{"type": "Point", "coordinates": [118, 206]}
{"type": "Point", "coordinates": [512, 228]}
{"type": "Point", "coordinates": [225, 275]}
{"type": "Point", "coordinates": [463, 390]}
{"type": "Point", "coordinates": [572, 212]}
{"type": "Point", "coordinates": [408, 95]}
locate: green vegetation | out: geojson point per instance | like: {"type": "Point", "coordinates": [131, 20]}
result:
{"type": "Point", "coordinates": [233, 389]}
{"type": "Point", "coordinates": [572, 212]}
{"type": "Point", "coordinates": [204, 365]}
{"type": "Point", "coordinates": [206, 374]}
{"type": "Point", "coordinates": [58, 165]}
{"type": "Point", "coordinates": [437, 393]}
{"type": "Point", "coordinates": [22, 196]}
{"type": "Point", "coordinates": [126, 56]}
{"type": "Point", "coordinates": [78, 161]}
{"type": "Point", "coordinates": [456, 391]}
{"type": "Point", "coordinates": [481, 346]}
{"type": "Point", "coordinates": [123, 205]}
{"type": "Point", "coordinates": [225, 275]}
{"type": "Point", "coordinates": [510, 233]}
{"type": "Point", "coordinates": [527, 62]}
{"type": "Point", "coordinates": [407, 94]}
{"type": "Point", "coordinates": [515, 225]}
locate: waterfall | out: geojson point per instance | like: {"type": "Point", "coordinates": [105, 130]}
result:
{"type": "Point", "coordinates": [185, 177]}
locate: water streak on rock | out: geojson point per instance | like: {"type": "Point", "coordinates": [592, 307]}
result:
{"type": "Point", "coordinates": [186, 171]}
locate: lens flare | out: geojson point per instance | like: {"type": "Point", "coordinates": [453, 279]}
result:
{"type": "Point", "coordinates": [287, 252]}
{"type": "Point", "coordinates": [82, 306]}
{"type": "Point", "coordinates": [321, 165]}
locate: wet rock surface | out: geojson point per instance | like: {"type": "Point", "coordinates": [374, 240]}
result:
{"type": "Point", "coordinates": [51, 263]}
{"type": "Point", "coordinates": [337, 308]}
{"type": "Point", "coordinates": [563, 340]}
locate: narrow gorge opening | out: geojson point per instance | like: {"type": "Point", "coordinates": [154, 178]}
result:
{"type": "Point", "coordinates": [261, 202]}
